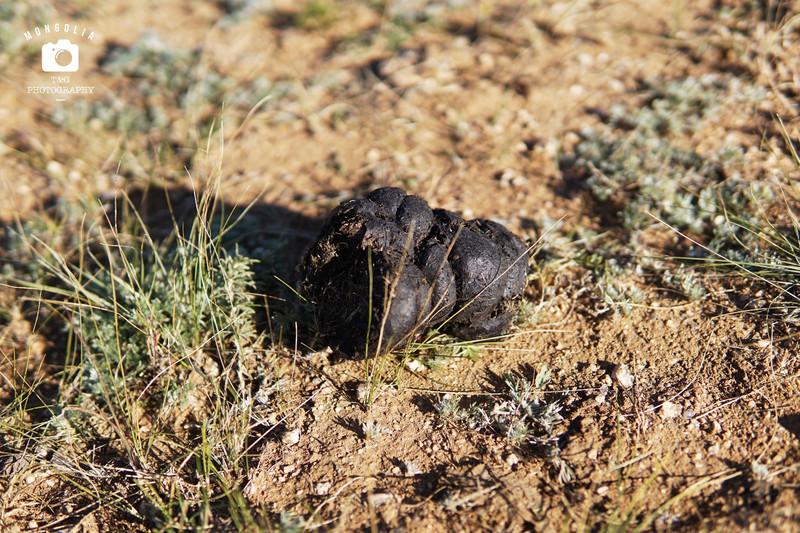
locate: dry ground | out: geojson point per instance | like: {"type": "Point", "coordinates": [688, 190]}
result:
{"type": "Point", "coordinates": [477, 107]}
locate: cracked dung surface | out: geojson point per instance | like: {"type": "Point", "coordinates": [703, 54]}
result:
{"type": "Point", "coordinates": [427, 267]}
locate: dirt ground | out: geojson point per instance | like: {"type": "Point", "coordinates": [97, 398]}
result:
{"type": "Point", "coordinates": [470, 105]}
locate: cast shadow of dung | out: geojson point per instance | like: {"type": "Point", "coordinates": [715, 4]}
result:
{"type": "Point", "coordinates": [273, 236]}
{"type": "Point", "coordinates": [791, 423]}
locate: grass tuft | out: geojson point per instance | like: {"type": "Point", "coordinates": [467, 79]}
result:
{"type": "Point", "coordinates": [161, 351]}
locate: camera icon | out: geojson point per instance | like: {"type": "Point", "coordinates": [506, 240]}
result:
{"type": "Point", "coordinates": [60, 57]}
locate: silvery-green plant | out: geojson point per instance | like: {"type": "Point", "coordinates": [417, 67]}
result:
{"type": "Point", "coordinates": [152, 67]}
{"type": "Point", "coordinates": [522, 415]}
{"type": "Point", "coordinates": [639, 164]}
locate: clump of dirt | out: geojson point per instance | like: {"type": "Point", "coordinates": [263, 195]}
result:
{"type": "Point", "coordinates": [388, 266]}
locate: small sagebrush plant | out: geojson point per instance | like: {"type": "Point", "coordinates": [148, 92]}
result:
{"type": "Point", "coordinates": [768, 252]}
{"type": "Point", "coordinates": [175, 302]}
{"type": "Point", "coordinates": [642, 168]}
{"type": "Point", "coordinates": [525, 417]}
{"type": "Point", "coordinates": [137, 306]}
{"type": "Point", "coordinates": [758, 237]}
{"type": "Point", "coordinates": [151, 67]}
{"type": "Point", "coordinates": [162, 354]}
{"type": "Point", "coordinates": [521, 415]}
{"type": "Point", "coordinates": [641, 161]}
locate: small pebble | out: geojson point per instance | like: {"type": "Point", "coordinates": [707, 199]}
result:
{"type": "Point", "coordinates": [411, 469]}
{"type": "Point", "coordinates": [415, 365]}
{"type": "Point", "coordinates": [670, 410]}
{"type": "Point", "coordinates": [322, 488]}
{"type": "Point", "coordinates": [600, 399]}
{"type": "Point", "coordinates": [290, 438]}
{"type": "Point", "coordinates": [378, 499]}
{"type": "Point", "coordinates": [622, 375]}
{"type": "Point", "coordinates": [55, 169]}
{"type": "Point", "coordinates": [361, 392]}
{"type": "Point", "coordinates": [616, 85]}
{"type": "Point", "coordinates": [576, 90]}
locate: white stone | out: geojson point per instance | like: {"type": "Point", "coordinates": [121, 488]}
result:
{"type": "Point", "coordinates": [670, 410]}
{"type": "Point", "coordinates": [378, 499]}
{"type": "Point", "coordinates": [600, 399]}
{"type": "Point", "coordinates": [415, 365]}
{"type": "Point", "coordinates": [622, 375]}
{"type": "Point", "coordinates": [55, 169]}
{"type": "Point", "coordinates": [290, 438]}
{"type": "Point", "coordinates": [512, 460]}
{"type": "Point", "coordinates": [322, 488]}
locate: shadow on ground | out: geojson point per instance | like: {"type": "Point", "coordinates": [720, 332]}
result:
{"type": "Point", "coordinates": [273, 236]}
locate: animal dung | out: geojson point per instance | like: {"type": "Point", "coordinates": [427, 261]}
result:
{"type": "Point", "coordinates": [386, 267]}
